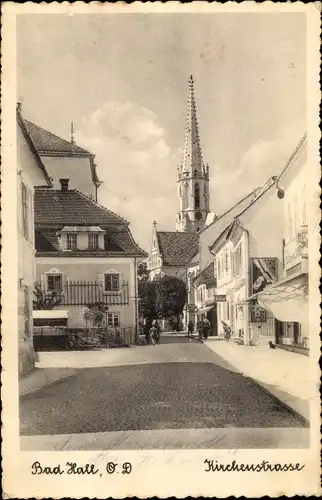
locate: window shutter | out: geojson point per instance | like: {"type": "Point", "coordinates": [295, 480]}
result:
{"type": "Point", "coordinates": [101, 280]}
{"type": "Point", "coordinates": [65, 281]}
{"type": "Point", "coordinates": [30, 217]}
{"type": "Point", "coordinates": [43, 283]}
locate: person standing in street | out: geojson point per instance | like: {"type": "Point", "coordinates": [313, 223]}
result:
{"type": "Point", "coordinates": [199, 327]}
{"type": "Point", "coordinates": [205, 328]}
{"type": "Point", "coordinates": [190, 328]}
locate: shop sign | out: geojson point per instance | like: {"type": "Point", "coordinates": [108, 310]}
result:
{"type": "Point", "coordinates": [257, 314]}
{"type": "Point", "coordinates": [263, 272]}
{"type": "Point", "coordinates": [219, 298]}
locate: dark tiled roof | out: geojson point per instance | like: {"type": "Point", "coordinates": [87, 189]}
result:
{"type": "Point", "coordinates": [177, 248]}
{"type": "Point", "coordinates": [47, 142]}
{"type": "Point", "coordinates": [24, 129]}
{"type": "Point", "coordinates": [71, 207]}
{"type": "Point", "coordinates": [116, 243]}
{"type": "Point", "coordinates": [46, 241]}
{"type": "Point", "coordinates": [122, 241]}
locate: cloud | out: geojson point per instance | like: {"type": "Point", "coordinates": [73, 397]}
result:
{"type": "Point", "coordinates": [261, 161]}
{"type": "Point", "coordinates": [136, 163]}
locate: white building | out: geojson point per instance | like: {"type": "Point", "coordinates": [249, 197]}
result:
{"type": "Point", "coordinates": [287, 300]}
{"type": "Point", "coordinates": [31, 174]}
{"type": "Point", "coordinates": [248, 256]}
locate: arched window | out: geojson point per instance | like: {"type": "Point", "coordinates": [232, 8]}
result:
{"type": "Point", "coordinates": [186, 196]}
{"type": "Point", "coordinates": [197, 196]}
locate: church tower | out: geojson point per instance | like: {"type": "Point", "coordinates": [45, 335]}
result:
{"type": "Point", "coordinates": [193, 175]}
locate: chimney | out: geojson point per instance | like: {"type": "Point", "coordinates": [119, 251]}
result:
{"type": "Point", "coordinates": [64, 184]}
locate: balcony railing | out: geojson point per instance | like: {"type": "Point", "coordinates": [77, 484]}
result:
{"type": "Point", "coordinates": [80, 293]}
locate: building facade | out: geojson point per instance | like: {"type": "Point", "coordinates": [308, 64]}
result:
{"type": "Point", "coordinates": [31, 174]}
{"type": "Point", "coordinates": [247, 259]}
{"type": "Point", "coordinates": [171, 252]}
{"type": "Point", "coordinates": [86, 254]}
{"type": "Point", "coordinates": [287, 300]}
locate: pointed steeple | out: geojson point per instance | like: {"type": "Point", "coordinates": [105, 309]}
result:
{"type": "Point", "coordinates": [192, 157]}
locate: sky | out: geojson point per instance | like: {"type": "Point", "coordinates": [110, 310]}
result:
{"type": "Point", "coordinates": [123, 80]}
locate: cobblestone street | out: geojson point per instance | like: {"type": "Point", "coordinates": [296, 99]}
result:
{"type": "Point", "coordinates": [186, 386]}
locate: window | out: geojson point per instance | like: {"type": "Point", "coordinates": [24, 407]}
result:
{"type": "Point", "coordinates": [93, 241]}
{"type": "Point", "coordinates": [226, 262]}
{"type": "Point", "coordinates": [186, 196]}
{"type": "Point", "coordinates": [289, 223]}
{"type": "Point", "coordinates": [113, 319]}
{"type": "Point", "coordinates": [197, 196]}
{"type": "Point", "coordinates": [295, 215]}
{"type": "Point", "coordinates": [112, 282]}
{"type": "Point", "coordinates": [238, 260]}
{"type": "Point", "coordinates": [26, 310]}
{"type": "Point", "coordinates": [25, 211]}
{"type": "Point", "coordinates": [71, 241]}
{"type": "Point", "coordinates": [54, 282]}
{"type": "Point", "coordinates": [304, 220]}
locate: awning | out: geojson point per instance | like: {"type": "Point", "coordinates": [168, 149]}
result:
{"type": "Point", "coordinates": [49, 314]}
{"type": "Point", "coordinates": [287, 299]}
{"type": "Point", "coordinates": [204, 309]}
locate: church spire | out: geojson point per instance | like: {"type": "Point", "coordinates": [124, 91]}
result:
{"type": "Point", "coordinates": [193, 175]}
{"type": "Point", "coordinates": [72, 137]}
{"type": "Point", "coordinates": [192, 157]}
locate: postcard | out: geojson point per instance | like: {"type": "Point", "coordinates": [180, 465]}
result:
{"type": "Point", "coordinates": [160, 249]}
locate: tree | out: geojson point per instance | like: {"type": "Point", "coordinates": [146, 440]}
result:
{"type": "Point", "coordinates": [147, 300]}
{"type": "Point", "coordinates": [45, 301]}
{"type": "Point", "coordinates": [143, 272]}
{"type": "Point", "coordinates": [170, 296]}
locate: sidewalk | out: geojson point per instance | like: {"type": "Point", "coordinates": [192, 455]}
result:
{"type": "Point", "coordinates": [284, 374]}
{"type": "Point", "coordinates": [42, 377]}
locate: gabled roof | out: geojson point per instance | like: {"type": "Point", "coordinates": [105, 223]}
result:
{"type": "Point", "coordinates": [236, 222]}
{"type": "Point", "coordinates": [252, 195]}
{"type": "Point", "coordinates": [71, 208]}
{"type": "Point", "coordinates": [177, 248]}
{"type": "Point", "coordinates": [47, 142]}
{"type": "Point", "coordinates": [290, 162]}
{"type": "Point", "coordinates": [24, 129]}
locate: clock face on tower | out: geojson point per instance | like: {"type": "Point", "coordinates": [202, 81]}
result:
{"type": "Point", "coordinates": [198, 215]}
